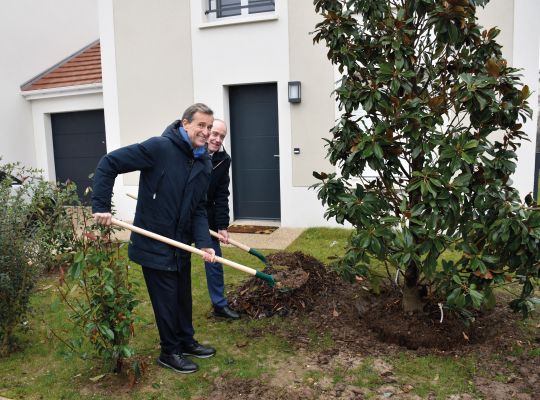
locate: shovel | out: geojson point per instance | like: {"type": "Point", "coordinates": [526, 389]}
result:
{"type": "Point", "coordinates": [265, 277]}
{"type": "Point", "coordinates": [240, 245]}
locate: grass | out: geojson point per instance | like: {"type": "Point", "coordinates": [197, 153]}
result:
{"type": "Point", "coordinates": [43, 369]}
{"type": "Point", "coordinates": [365, 376]}
{"type": "Point", "coordinates": [323, 244]}
{"type": "Point", "coordinates": [443, 376]}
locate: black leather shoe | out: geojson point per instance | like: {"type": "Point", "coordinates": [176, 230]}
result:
{"type": "Point", "coordinates": [177, 362]}
{"type": "Point", "coordinates": [225, 312]}
{"type": "Point", "coordinates": [198, 350]}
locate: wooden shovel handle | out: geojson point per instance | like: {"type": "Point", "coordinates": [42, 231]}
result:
{"type": "Point", "coordinates": [213, 233]}
{"type": "Point", "coordinates": [231, 241]}
{"type": "Point", "coordinates": [182, 246]}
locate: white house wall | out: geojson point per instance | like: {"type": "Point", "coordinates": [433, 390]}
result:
{"type": "Point", "coordinates": [243, 53]}
{"type": "Point", "coordinates": [35, 35]}
{"type": "Point", "coordinates": [520, 35]}
{"type": "Point", "coordinates": [226, 54]}
{"type": "Point", "coordinates": [525, 55]}
{"type": "Point", "coordinates": [500, 14]}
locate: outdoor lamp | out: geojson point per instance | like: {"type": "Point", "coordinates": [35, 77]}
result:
{"type": "Point", "coordinates": [295, 95]}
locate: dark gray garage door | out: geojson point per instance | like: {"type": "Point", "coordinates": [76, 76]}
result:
{"type": "Point", "coordinates": [79, 143]}
{"type": "Point", "coordinates": [255, 151]}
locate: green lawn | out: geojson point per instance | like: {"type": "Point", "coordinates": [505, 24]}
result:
{"type": "Point", "coordinates": [43, 369]}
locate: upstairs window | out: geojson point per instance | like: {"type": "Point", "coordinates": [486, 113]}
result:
{"type": "Point", "coordinates": [230, 8]}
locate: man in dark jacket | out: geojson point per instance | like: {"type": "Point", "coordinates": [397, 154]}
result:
{"type": "Point", "coordinates": [217, 208]}
{"type": "Point", "coordinates": [174, 176]}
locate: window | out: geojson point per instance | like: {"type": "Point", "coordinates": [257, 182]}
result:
{"type": "Point", "coordinates": [257, 6]}
{"type": "Point", "coordinates": [230, 8]}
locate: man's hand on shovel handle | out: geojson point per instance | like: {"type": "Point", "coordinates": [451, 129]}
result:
{"type": "Point", "coordinates": [103, 218]}
{"type": "Point", "coordinates": [224, 236]}
{"type": "Point", "coordinates": [209, 255]}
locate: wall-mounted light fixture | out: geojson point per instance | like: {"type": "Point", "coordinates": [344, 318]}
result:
{"type": "Point", "coordinates": [295, 92]}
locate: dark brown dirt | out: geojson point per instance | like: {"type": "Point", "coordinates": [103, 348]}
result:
{"type": "Point", "coordinates": [311, 290]}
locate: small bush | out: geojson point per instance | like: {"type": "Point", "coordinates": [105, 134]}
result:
{"type": "Point", "coordinates": [32, 218]}
{"type": "Point", "coordinates": [96, 289]}
{"type": "Point", "coordinates": [44, 227]}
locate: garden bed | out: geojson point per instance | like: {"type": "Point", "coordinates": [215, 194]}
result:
{"type": "Point", "coordinates": [362, 323]}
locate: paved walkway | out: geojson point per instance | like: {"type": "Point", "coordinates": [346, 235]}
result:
{"type": "Point", "coordinates": [277, 240]}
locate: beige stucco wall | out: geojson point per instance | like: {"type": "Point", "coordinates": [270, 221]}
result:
{"type": "Point", "coordinates": [153, 67]}
{"type": "Point", "coordinates": [311, 119]}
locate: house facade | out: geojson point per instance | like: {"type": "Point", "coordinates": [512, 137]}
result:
{"type": "Point", "coordinates": [242, 57]}
{"type": "Point", "coordinates": [239, 62]}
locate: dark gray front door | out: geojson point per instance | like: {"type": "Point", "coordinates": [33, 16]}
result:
{"type": "Point", "coordinates": [255, 151]}
{"type": "Point", "coordinates": [79, 143]}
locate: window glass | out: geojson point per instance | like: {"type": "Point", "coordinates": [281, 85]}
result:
{"type": "Point", "coordinates": [257, 6]}
{"type": "Point", "coordinates": [228, 8]}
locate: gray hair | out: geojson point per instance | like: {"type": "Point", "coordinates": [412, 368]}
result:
{"type": "Point", "coordinates": [197, 107]}
{"type": "Point", "coordinates": [223, 122]}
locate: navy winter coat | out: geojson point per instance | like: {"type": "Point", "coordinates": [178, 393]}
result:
{"type": "Point", "coordinates": [217, 206]}
{"type": "Point", "coordinates": [171, 199]}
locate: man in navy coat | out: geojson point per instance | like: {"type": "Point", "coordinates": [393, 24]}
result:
{"type": "Point", "coordinates": [217, 208]}
{"type": "Point", "coordinates": [174, 177]}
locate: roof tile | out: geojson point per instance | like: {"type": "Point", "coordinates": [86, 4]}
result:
{"type": "Point", "coordinates": [82, 68]}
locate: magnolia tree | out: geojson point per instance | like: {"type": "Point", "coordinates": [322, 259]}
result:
{"type": "Point", "coordinates": [430, 106]}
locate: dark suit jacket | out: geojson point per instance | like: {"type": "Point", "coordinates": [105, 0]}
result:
{"type": "Point", "coordinates": [171, 199]}
{"type": "Point", "coordinates": [217, 205]}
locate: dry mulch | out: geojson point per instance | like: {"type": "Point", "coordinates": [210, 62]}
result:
{"type": "Point", "coordinates": [302, 280]}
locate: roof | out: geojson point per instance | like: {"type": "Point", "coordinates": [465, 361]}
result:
{"type": "Point", "coordinates": [81, 68]}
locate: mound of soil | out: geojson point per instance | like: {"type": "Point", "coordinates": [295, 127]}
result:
{"type": "Point", "coordinates": [302, 280]}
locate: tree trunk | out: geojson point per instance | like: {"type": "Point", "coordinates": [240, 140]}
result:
{"type": "Point", "coordinates": [411, 300]}
{"type": "Point", "coordinates": [411, 296]}
{"type": "Point", "coordinates": [4, 346]}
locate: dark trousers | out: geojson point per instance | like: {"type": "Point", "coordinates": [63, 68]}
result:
{"type": "Point", "coordinates": [214, 278]}
{"type": "Point", "coordinates": [170, 294]}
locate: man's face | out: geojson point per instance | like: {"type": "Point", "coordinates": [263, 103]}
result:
{"type": "Point", "coordinates": [217, 136]}
{"type": "Point", "coordinates": [199, 128]}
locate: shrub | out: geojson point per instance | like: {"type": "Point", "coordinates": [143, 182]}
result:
{"type": "Point", "coordinates": [97, 290]}
{"type": "Point", "coordinates": [44, 226]}
{"type": "Point", "coordinates": [31, 217]}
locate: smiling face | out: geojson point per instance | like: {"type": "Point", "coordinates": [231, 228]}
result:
{"type": "Point", "coordinates": [199, 128]}
{"type": "Point", "coordinates": [217, 136]}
